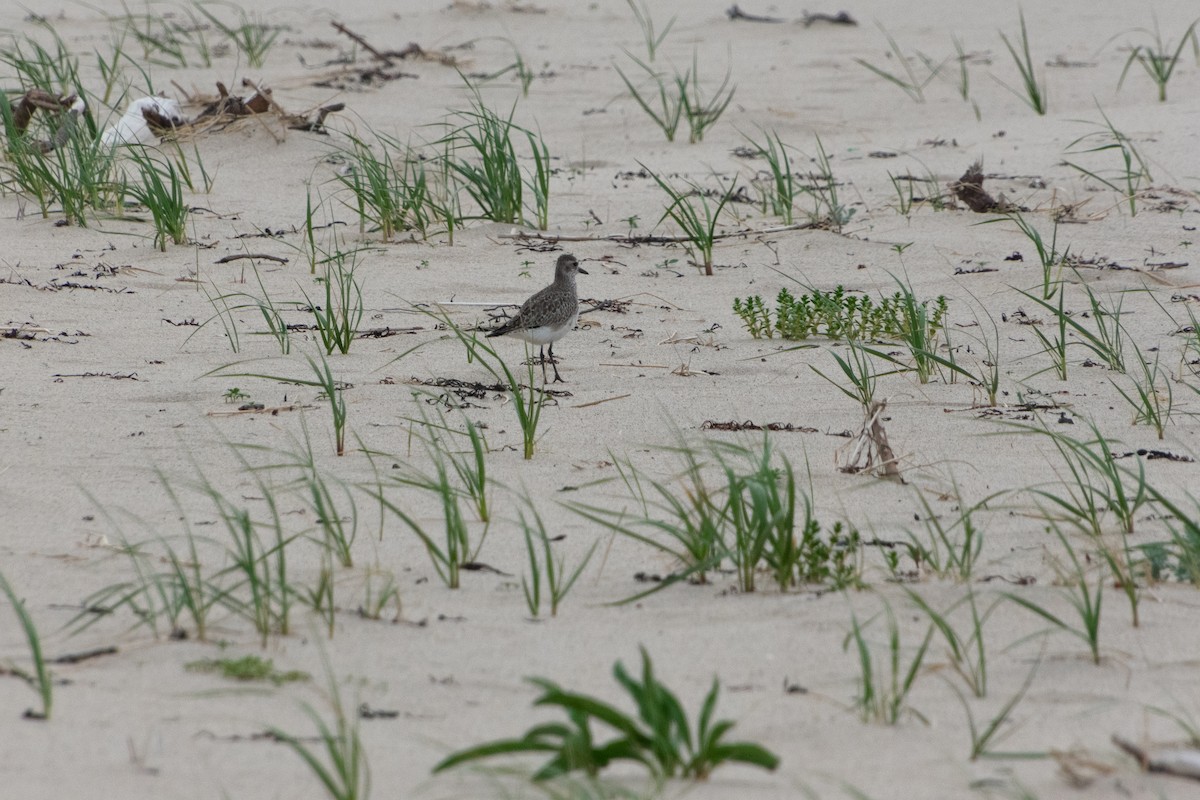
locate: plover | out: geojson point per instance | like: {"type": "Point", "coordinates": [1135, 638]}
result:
{"type": "Point", "coordinates": [548, 315]}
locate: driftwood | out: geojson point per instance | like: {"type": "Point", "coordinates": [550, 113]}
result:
{"type": "Point", "coordinates": [36, 99]}
{"type": "Point", "coordinates": [736, 13]}
{"type": "Point", "coordinates": [840, 18]}
{"type": "Point", "coordinates": [969, 189]}
{"type": "Point", "coordinates": [68, 108]}
{"type": "Point", "coordinates": [1181, 761]}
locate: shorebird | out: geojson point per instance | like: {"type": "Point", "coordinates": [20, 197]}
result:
{"type": "Point", "coordinates": [548, 315]}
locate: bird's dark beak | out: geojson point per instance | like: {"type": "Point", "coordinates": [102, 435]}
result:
{"type": "Point", "coordinates": [584, 271]}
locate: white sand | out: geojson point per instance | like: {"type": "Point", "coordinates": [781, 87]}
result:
{"type": "Point", "coordinates": [76, 450]}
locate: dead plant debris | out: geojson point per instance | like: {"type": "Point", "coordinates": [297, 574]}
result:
{"type": "Point", "coordinates": [117, 376]}
{"type": "Point", "coordinates": [869, 450]}
{"type": "Point", "coordinates": [1153, 455]}
{"type": "Point", "coordinates": [748, 425]}
{"type": "Point", "coordinates": [611, 306]}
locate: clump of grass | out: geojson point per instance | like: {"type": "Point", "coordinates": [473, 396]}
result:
{"type": "Point", "coordinates": [184, 589]}
{"type": "Point", "coordinates": [659, 738]}
{"type": "Point", "coordinates": [344, 771]}
{"type": "Point", "coordinates": [1050, 258]}
{"type": "Point", "coordinates": [323, 379]}
{"type": "Point", "coordinates": [377, 598]}
{"type": "Point", "coordinates": [528, 399]}
{"type": "Point", "coordinates": [1096, 484]}
{"type": "Point", "coordinates": [336, 531]}
{"type": "Point", "coordinates": [158, 187]}
{"type": "Point", "coordinates": [519, 68]}
{"type": "Point", "coordinates": [695, 215]}
{"type": "Point", "coordinates": [908, 82]}
{"type": "Point", "coordinates": [1106, 342]}
{"type": "Point", "coordinates": [252, 36]}
{"type": "Point", "coordinates": [781, 191]}
{"type": "Point", "coordinates": [547, 569]}
{"type": "Point", "coordinates": [41, 679]}
{"type": "Point", "coordinates": [949, 549]}
{"type": "Point", "coordinates": [1158, 59]}
{"type": "Point", "coordinates": [226, 304]}
{"type": "Point", "coordinates": [693, 519]}
{"type": "Point", "coordinates": [736, 503]}
{"type": "Point", "coordinates": [838, 314]}
{"type": "Point", "coordinates": [1150, 396]}
{"type": "Point", "coordinates": [859, 369]}
{"type": "Point", "coordinates": [389, 194]}
{"type": "Point", "coordinates": [1087, 603]}
{"type": "Point", "coordinates": [338, 318]}
{"type": "Point", "coordinates": [454, 549]}
{"type": "Point", "coordinates": [70, 166]}
{"type": "Point", "coordinates": [491, 173]}
{"type": "Point", "coordinates": [332, 389]}
{"type": "Point", "coordinates": [700, 112]}
{"type": "Point", "coordinates": [1133, 172]}
{"type": "Point", "coordinates": [252, 584]}
{"type": "Point", "coordinates": [828, 209]}
{"type": "Point", "coordinates": [884, 683]}
{"type": "Point", "coordinates": [469, 465]}
{"type": "Point", "coordinates": [986, 374]}
{"type": "Point", "coordinates": [919, 329]}
{"type": "Point", "coordinates": [1032, 91]}
{"type": "Point", "coordinates": [668, 111]}
{"type": "Point", "coordinates": [967, 652]}
{"type": "Point", "coordinates": [679, 99]}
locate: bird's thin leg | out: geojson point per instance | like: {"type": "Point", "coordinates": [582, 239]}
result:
{"type": "Point", "coordinates": [553, 363]}
{"type": "Point", "coordinates": [542, 358]}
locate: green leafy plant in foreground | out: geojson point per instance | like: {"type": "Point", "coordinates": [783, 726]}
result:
{"type": "Point", "coordinates": [837, 314]}
{"type": "Point", "coordinates": [660, 738]}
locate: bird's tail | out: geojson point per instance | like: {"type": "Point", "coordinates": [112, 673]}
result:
{"type": "Point", "coordinates": [503, 329]}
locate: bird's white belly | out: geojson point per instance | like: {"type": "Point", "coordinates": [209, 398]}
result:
{"type": "Point", "coordinates": [545, 334]}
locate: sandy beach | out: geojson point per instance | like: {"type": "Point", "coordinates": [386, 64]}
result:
{"type": "Point", "coordinates": [158, 434]}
